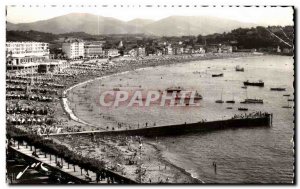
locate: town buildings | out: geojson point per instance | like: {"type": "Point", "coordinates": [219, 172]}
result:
{"type": "Point", "coordinates": [111, 52]}
{"type": "Point", "coordinates": [137, 52]}
{"type": "Point", "coordinates": [24, 52]}
{"type": "Point", "coordinates": [93, 50]}
{"type": "Point", "coordinates": [73, 49]}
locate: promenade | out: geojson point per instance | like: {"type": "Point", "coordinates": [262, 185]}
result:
{"type": "Point", "coordinates": [74, 172]}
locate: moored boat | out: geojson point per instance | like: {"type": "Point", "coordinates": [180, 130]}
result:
{"type": "Point", "coordinates": [252, 101]}
{"type": "Point", "coordinates": [217, 75]}
{"type": "Point", "coordinates": [230, 101]}
{"type": "Point", "coordinates": [172, 89]}
{"type": "Point", "coordinates": [219, 101]}
{"type": "Point", "coordinates": [259, 83]}
{"type": "Point", "coordinates": [239, 69]}
{"type": "Point", "coordinates": [277, 89]}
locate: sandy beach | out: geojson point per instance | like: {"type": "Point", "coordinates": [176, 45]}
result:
{"type": "Point", "coordinates": [118, 151]}
{"type": "Point", "coordinates": [157, 168]}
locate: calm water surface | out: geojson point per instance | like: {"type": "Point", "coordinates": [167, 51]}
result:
{"type": "Point", "coordinates": [255, 155]}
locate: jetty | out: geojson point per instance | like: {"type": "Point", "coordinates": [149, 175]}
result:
{"type": "Point", "coordinates": [239, 121]}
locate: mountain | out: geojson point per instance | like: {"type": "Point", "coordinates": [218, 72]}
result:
{"type": "Point", "coordinates": [170, 26]}
{"type": "Point", "coordinates": [77, 22]}
{"type": "Point", "coordinates": [140, 22]}
{"type": "Point", "coordinates": [193, 25]}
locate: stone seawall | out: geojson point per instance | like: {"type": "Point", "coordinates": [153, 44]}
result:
{"type": "Point", "coordinates": [264, 121]}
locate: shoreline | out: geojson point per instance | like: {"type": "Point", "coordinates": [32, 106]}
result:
{"type": "Point", "coordinates": [176, 172]}
{"type": "Point", "coordinates": [72, 115]}
{"type": "Point", "coordinates": [168, 162]}
{"type": "Point", "coordinates": [163, 160]}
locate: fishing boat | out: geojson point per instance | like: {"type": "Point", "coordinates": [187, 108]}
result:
{"type": "Point", "coordinates": [278, 89]}
{"type": "Point", "coordinates": [287, 106]}
{"type": "Point", "coordinates": [243, 109]}
{"type": "Point", "coordinates": [172, 89]}
{"type": "Point", "coordinates": [231, 101]}
{"type": "Point", "coordinates": [197, 96]}
{"type": "Point", "coordinates": [217, 75]}
{"type": "Point", "coordinates": [220, 101]}
{"type": "Point", "coordinates": [252, 101]}
{"type": "Point", "coordinates": [259, 83]}
{"type": "Point", "coordinates": [239, 69]}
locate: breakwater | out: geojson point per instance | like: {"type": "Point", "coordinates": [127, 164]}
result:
{"type": "Point", "coordinates": [179, 129]}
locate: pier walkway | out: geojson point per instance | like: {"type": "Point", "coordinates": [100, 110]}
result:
{"type": "Point", "coordinates": [234, 123]}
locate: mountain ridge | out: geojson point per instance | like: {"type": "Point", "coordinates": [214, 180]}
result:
{"type": "Point", "coordinates": [94, 24]}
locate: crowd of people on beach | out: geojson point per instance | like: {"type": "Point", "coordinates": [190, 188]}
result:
{"type": "Point", "coordinates": [33, 97]}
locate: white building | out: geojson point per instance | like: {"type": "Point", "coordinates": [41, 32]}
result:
{"type": "Point", "coordinates": [20, 53]}
{"type": "Point", "coordinates": [73, 49]}
{"type": "Point", "coordinates": [93, 50]}
{"type": "Point", "coordinates": [111, 52]}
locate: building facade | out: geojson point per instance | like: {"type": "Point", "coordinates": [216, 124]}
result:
{"type": "Point", "coordinates": [18, 53]}
{"type": "Point", "coordinates": [111, 52]}
{"type": "Point", "coordinates": [73, 49]}
{"type": "Point", "coordinates": [93, 50]}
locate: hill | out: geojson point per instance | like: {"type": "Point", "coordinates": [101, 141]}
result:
{"type": "Point", "coordinates": [93, 24]}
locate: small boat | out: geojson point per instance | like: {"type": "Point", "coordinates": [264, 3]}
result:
{"type": "Point", "coordinates": [244, 87]}
{"type": "Point", "coordinates": [198, 96]}
{"type": "Point", "coordinates": [243, 109]}
{"type": "Point", "coordinates": [288, 105]}
{"type": "Point", "coordinates": [172, 89]}
{"type": "Point", "coordinates": [217, 75]}
{"type": "Point", "coordinates": [290, 100]}
{"type": "Point", "coordinates": [239, 69]}
{"type": "Point", "coordinates": [277, 89]}
{"type": "Point", "coordinates": [286, 95]}
{"type": "Point", "coordinates": [229, 108]}
{"type": "Point", "coordinates": [252, 101]}
{"type": "Point", "coordinates": [259, 83]}
{"type": "Point", "coordinates": [230, 101]}
{"type": "Point", "coordinates": [220, 101]}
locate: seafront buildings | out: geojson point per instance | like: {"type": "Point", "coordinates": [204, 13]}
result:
{"type": "Point", "coordinates": [24, 52]}
{"type": "Point", "coordinates": [93, 50]}
{"type": "Point", "coordinates": [73, 49]}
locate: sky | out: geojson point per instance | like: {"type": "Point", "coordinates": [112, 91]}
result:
{"type": "Point", "coordinates": [257, 15]}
